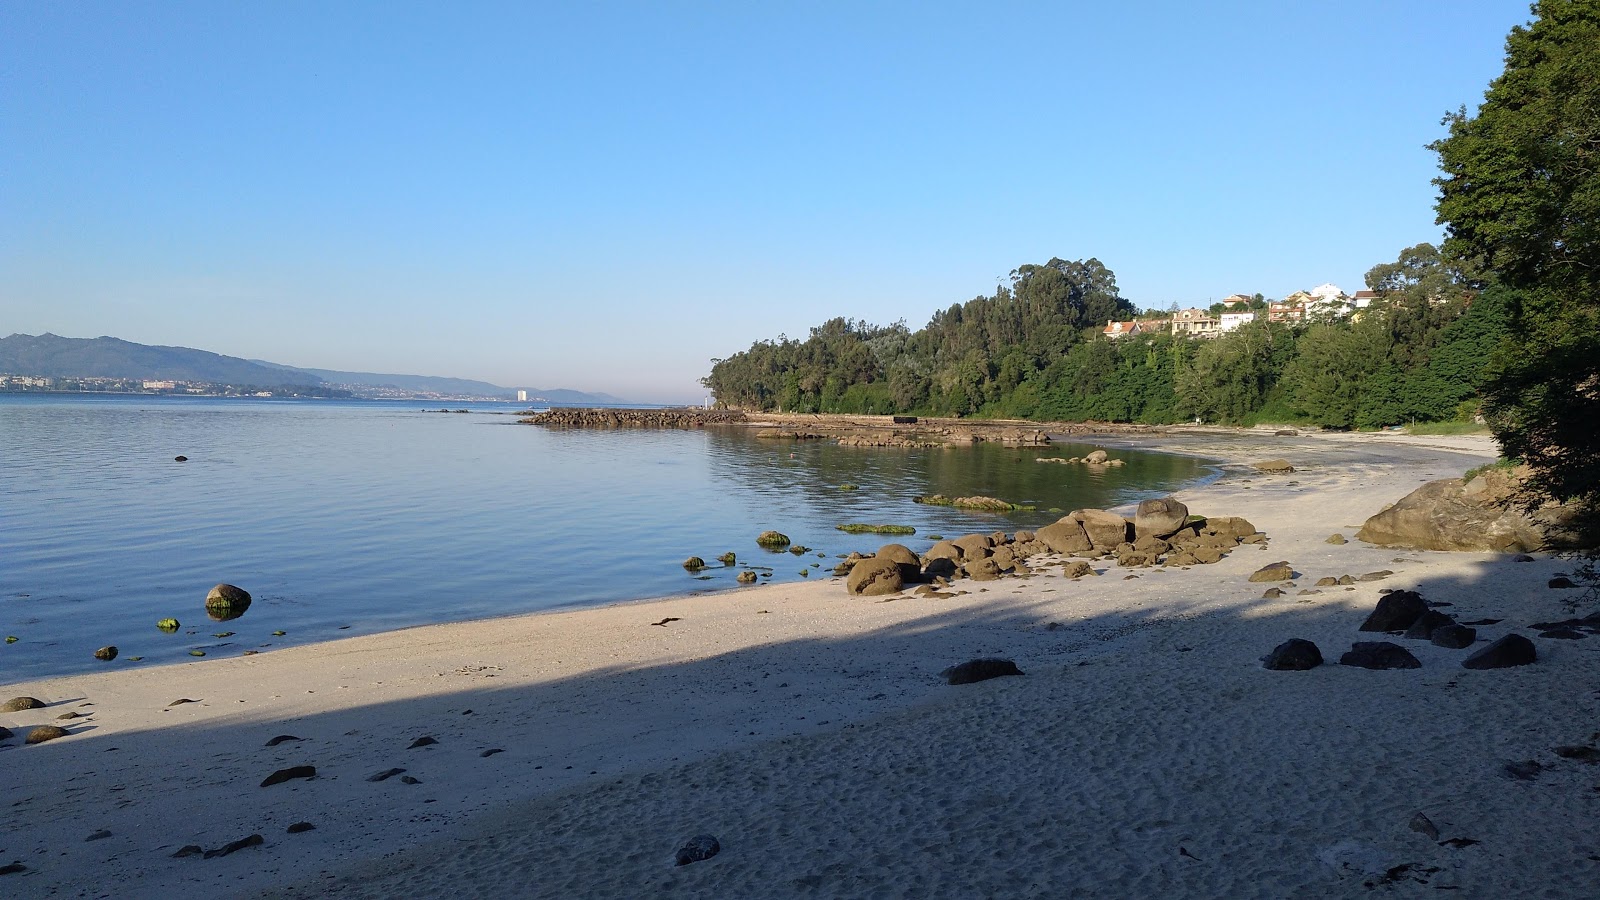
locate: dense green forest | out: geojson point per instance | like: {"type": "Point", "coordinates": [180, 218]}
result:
{"type": "Point", "coordinates": [1036, 349]}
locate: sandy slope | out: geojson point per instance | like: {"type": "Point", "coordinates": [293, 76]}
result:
{"type": "Point", "coordinates": [1145, 751]}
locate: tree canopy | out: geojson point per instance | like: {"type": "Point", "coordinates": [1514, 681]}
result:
{"type": "Point", "coordinates": [1519, 195]}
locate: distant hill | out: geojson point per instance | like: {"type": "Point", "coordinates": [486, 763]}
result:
{"type": "Point", "coordinates": [54, 356]}
{"type": "Point", "coordinates": [431, 384]}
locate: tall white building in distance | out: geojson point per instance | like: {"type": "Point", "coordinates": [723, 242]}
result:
{"type": "Point", "coordinates": [522, 396]}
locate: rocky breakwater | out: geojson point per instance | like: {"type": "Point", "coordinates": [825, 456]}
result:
{"type": "Point", "coordinates": [635, 418]}
{"type": "Point", "coordinates": [1476, 514]}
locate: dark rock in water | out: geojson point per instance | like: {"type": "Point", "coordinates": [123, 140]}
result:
{"type": "Point", "coordinates": [746, 577]}
{"type": "Point", "coordinates": [13, 868]}
{"type": "Point", "coordinates": [18, 704]}
{"type": "Point", "coordinates": [694, 564]}
{"type": "Point", "coordinates": [1293, 655]}
{"type": "Point", "coordinates": [299, 827]}
{"type": "Point", "coordinates": [1426, 624]}
{"type": "Point", "coordinates": [1455, 637]}
{"type": "Point", "coordinates": [226, 602]}
{"type": "Point", "coordinates": [188, 850]}
{"type": "Point", "coordinates": [1379, 655]}
{"type": "Point", "coordinates": [385, 774]}
{"type": "Point", "coordinates": [1561, 581]}
{"type": "Point", "coordinates": [46, 733]}
{"type": "Point", "coordinates": [700, 847]}
{"type": "Point", "coordinates": [180, 458]}
{"type": "Point", "coordinates": [728, 558]}
{"type": "Point", "coordinates": [282, 775]}
{"type": "Point", "coordinates": [409, 779]}
{"type": "Point", "coordinates": [976, 670]}
{"type": "Point", "coordinates": [1563, 634]}
{"type": "Point", "coordinates": [1278, 571]}
{"type": "Point", "coordinates": [254, 840]}
{"type": "Point", "coordinates": [1396, 611]}
{"type": "Point", "coordinates": [283, 738]}
{"type": "Point", "coordinates": [1511, 650]}
{"type": "Point", "coordinates": [423, 741]}
{"type": "Point", "coordinates": [106, 654]}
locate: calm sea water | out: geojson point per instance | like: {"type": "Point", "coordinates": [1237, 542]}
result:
{"type": "Point", "coordinates": [346, 518]}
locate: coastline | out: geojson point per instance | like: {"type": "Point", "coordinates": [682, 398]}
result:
{"type": "Point", "coordinates": [810, 732]}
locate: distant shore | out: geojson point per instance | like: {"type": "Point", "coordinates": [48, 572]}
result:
{"type": "Point", "coordinates": [1145, 750]}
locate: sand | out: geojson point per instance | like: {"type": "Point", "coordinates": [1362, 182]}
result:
{"type": "Point", "coordinates": [1145, 751]}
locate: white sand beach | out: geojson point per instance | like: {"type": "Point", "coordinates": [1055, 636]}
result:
{"type": "Point", "coordinates": [1145, 751]}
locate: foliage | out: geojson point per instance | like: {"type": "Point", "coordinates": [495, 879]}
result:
{"type": "Point", "coordinates": [1520, 197]}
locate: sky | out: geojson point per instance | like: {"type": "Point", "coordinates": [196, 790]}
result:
{"type": "Point", "coordinates": [606, 196]}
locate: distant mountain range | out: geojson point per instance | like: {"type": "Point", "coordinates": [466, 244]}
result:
{"type": "Point", "coordinates": [53, 356]}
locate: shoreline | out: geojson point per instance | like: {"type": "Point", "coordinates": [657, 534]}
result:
{"type": "Point", "coordinates": [810, 731]}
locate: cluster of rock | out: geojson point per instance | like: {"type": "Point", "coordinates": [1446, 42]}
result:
{"type": "Point", "coordinates": [986, 504]}
{"type": "Point", "coordinates": [1477, 514]}
{"type": "Point", "coordinates": [1408, 615]}
{"type": "Point", "coordinates": [635, 418]}
{"type": "Point", "coordinates": [952, 436]}
{"type": "Point", "coordinates": [1094, 458]}
{"type": "Point", "coordinates": [1161, 533]}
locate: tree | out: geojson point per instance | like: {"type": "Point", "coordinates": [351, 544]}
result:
{"type": "Point", "coordinates": [1520, 199]}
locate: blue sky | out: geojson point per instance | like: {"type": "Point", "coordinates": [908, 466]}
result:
{"type": "Point", "coordinates": [605, 196]}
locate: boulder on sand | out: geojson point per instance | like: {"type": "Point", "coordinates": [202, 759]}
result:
{"type": "Point", "coordinates": [1475, 516]}
{"type": "Point", "coordinates": [1379, 655]}
{"type": "Point", "coordinates": [1511, 650]}
{"type": "Point", "coordinates": [1278, 571]}
{"type": "Point", "coordinates": [974, 671]}
{"type": "Point", "coordinates": [1293, 655]}
{"type": "Point", "coordinates": [1065, 536]}
{"type": "Point", "coordinates": [1159, 518]}
{"type": "Point", "coordinates": [1105, 529]}
{"type": "Point", "coordinates": [910, 565]}
{"type": "Point", "coordinates": [1396, 611]}
{"type": "Point", "coordinates": [874, 576]}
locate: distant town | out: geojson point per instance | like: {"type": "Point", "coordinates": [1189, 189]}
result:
{"type": "Point", "coordinates": [1324, 303]}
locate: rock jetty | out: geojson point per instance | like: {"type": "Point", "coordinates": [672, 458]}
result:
{"type": "Point", "coordinates": [635, 418]}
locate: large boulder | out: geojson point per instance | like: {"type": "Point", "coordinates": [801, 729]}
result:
{"type": "Point", "coordinates": [1477, 515]}
{"type": "Point", "coordinates": [1065, 536]}
{"type": "Point", "coordinates": [1396, 611]}
{"type": "Point", "coordinates": [1511, 650]}
{"type": "Point", "coordinates": [1096, 457]}
{"type": "Point", "coordinates": [1236, 527]}
{"type": "Point", "coordinates": [943, 550]}
{"type": "Point", "coordinates": [1105, 529]}
{"type": "Point", "coordinates": [974, 545]}
{"type": "Point", "coordinates": [1293, 655]}
{"type": "Point", "coordinates": [1277, 571]}
{"type": "Point", "coordinates": [1379, 655]}
{"type": "Point", "coordinates": [1159, 518]}
{"type": "Point", "coordinates": [225, 602]}
{"type": "Point", "coordinates": [910, 565]}
{"type": "Point", "coordinates": [875, 576]}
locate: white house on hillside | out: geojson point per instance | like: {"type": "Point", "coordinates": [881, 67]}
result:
{"type": "Point", "coordinates": [1232, 320]}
